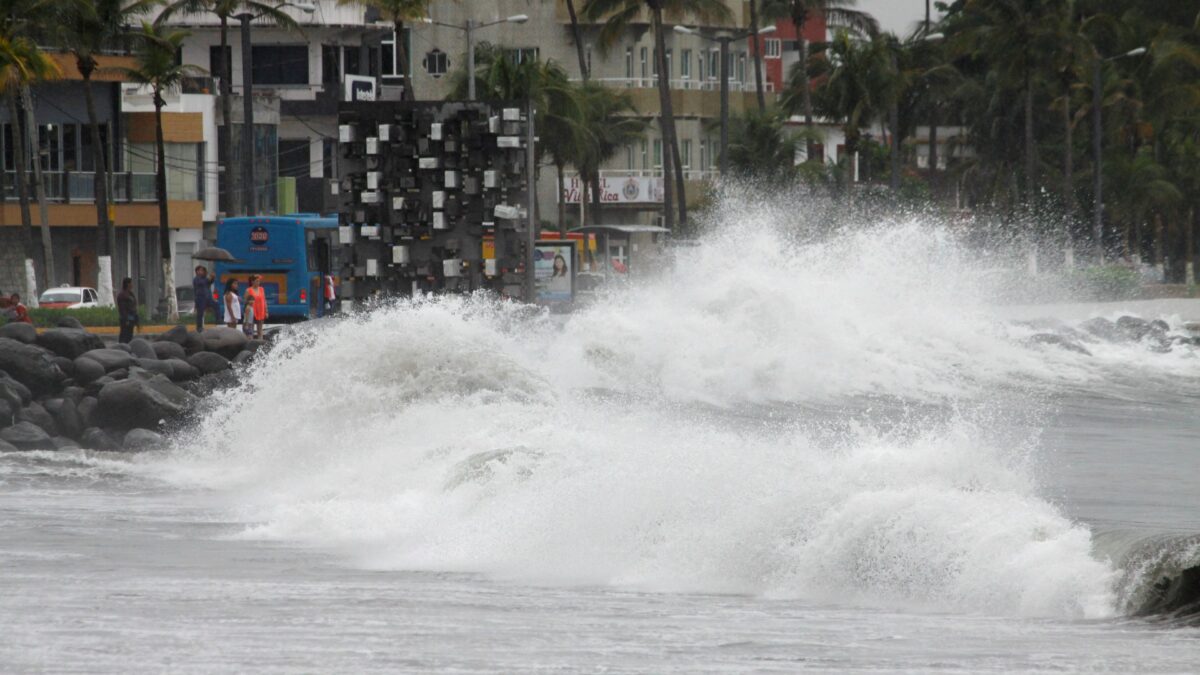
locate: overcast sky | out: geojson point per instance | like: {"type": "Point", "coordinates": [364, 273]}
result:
{"type": "Point", "coordinates": [897, 16]}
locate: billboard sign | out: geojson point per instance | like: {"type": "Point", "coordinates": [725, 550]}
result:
{"type": "Point", "coordinates": [554, 271]}
{"type": "Point", "coordinates": [617, 190]}
{"type": "Point", "coordinates": [360, 88]}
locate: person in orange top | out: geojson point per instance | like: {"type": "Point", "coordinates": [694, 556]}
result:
{"type": "Point", "coordinates": [17, 311]}
{"type": "Point", "coordinates": [256, 300]}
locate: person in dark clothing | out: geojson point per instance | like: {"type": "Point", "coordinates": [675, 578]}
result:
{"type": "Point", "coordinates": [127, 313]}
{"type": "Point", "coordinates": [202, 292]}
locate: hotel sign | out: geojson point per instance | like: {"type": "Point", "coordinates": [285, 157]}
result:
{"type": "Point", "coordinates": [617, 190]}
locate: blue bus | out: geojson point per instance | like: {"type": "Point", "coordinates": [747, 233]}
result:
{"type": "Point", "coordinates": [292, 252]}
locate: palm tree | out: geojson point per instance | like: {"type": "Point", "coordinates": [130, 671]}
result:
{"type": "Point", "coordinates": [837, 13]}
{"type": "Point", "coordinates": [617, 15]}
{"type": "Point", "coordinates": [611, 123]}
{"type": "Point", "coordinates": [856, 88]}
{"type": "Point", "coordinates": [87, 29]}
{"type": "Point", "coordinates": [399, 12]}
{"type": "Point", "coordinates": [577, 36]}
{"type": "Point", "coordinates": [21, 63]}
{"type": "Point", "coordinates": [760, 149]}
{"type": "Point", "coordinates": [272, 11]}
{"type": "Point", "coordinates": [760, 96]}
{"type": "Point", "coordinates": [1146, 189]}
{"type": "Point", "coordinates": [157, 46]}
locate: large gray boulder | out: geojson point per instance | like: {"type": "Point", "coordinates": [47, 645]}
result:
{"type": "Point", "coordinates": [85, 409]}
{"type": "Point", "coordinates": [193, 343]}
{"type": "Point", "coordinates": [157, 367]}
{"type": "Point", "coordinates": [69, 322]}
{"type": "Point", "coordinates": [31, 366]}
{"type": "Point", "coordinates": [34, 413]}
{"type": "Point", "coordinates": [26, 436]}
{"type": "Point", "coordinates": [66, 416]}
{"type": "Point", "coordinates": [143, 439]}
{"type": "Point", "coordinates": [168, 350]}
{"type": "Point", "coordinates": [226, 341]}
{"type": "Point", "coordinates": [8, 413]}
{"type": "Point", "coordinates": [19, 331]}
{"type": "Point", "coordinates": [64, 364]}
{"type": "Point", "coordinates": [181, 370]}
{"type": "Point", "coordinates": [111, 359]}
{"type": "Point", "coordinates": [64, 443]}
{"type": "Point", "coordinates": [70, 342]}
{"type": "Point", "coordinates": [177, 334]}
{"type": "Point", "coordinates": [13, 391]}
{"type": "Point", "coordinates": [208, 362]}
{"type": "Point", "coordinates": [143, 403]}
{"type": "Point", "coordinates": [121, 346]}
{"type": "Point", "coordinates": [96, 438]}
{"type": "Point", "coordinates": [141, 349]}
{"type": "Point", "coordinates": [87, 370]}
{"type": "Point", "coordinates": [5, 446]}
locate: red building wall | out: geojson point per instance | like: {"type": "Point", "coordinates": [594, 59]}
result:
{"type": "Point", "coordinates": [785, 31]}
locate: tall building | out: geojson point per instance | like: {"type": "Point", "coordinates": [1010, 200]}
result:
{"type": "Point", "coordinates": [626, 62]}
{"type": "Point", "coordinates": [64, 145]}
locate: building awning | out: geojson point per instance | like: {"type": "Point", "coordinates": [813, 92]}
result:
{"type": "Point", "coordinates": [622, 229]}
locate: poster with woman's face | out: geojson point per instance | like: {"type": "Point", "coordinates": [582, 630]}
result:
{"type": "Point", "coordinates": [554, 271]}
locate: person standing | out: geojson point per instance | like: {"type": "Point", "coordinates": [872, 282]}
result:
{"type": "Point", "coordinates": [233, 303]}
{"type": "Point", "coordinates": [256, 302]}
{"type": "Point", "coordinates": [329, 293]}
{"type": "Point", "coordinates": [202, 293]}
{"type": "Point", "coordinates": [17, 312]}
{"type": "Point", "coordinates": [127, 314]}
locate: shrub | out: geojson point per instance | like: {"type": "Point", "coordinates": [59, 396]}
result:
{"type": "Point", "coordinates": [1107, 283]}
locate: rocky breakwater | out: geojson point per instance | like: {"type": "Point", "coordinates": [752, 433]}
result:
{"type": "Point", "coordinates": [66, 388]}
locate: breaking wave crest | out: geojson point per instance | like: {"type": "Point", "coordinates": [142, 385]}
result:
{"type": "Point", "coordinates": [823, 417]}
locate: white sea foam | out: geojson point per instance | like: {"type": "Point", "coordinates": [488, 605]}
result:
{"type": "Point", "coordinates": [654, 440]}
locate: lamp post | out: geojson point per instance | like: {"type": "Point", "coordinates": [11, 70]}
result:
{"type": "Point", "coordinates": [250, 200]}
{"type": "Point", "coordinates": [1098, 147]}
{"type": "Point", "coordinates": [724, 40]}
{"type": "Point", "coordinates": [469, 29]}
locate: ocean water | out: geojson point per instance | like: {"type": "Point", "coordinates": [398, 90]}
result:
{"type": "Point", "coordinates": [797, 450]}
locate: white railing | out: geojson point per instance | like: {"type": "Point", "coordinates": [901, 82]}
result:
{"type": "Point", "coordinates": [688, 174]}
{"type": "Point", "coordinates": [685, 84]}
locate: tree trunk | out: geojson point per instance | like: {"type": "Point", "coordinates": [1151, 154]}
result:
{"type": "Point", "coordinates": [562, 203]}
{"type": "Point", "coordinates": [409, 93]}
{"type": "Point", "coordinates": [1030, 160]}
{"type": "Point", "coordinates": [31, 251]}
{"type": "Point", "coordinates": [672, 161]}
{"type": "Point", "coordinates": [578, 37]}
{"type": "Point", "coordinates": [758, 76]}
{"type": "Point", "coordinates": [39, 189]}
{"type": "Point", "coordinates": [933, 140]}
{"type": "Point", "coordinates": [594, 177]}
{"type": "Point", "coordinates": [1068, 158]}
{"type": "Point", "coordinates": [232, 194]}
{"type": "Point", "coordinates": [666, 120]}
{"type": "Point", "coordinates": [1189, 241]}
{"type": "Point", "coordinates": [805, 86]}
{"type": "Point", "coordinates": [105, 282]}
{"type": "Point", "coordinates": [164, 227]}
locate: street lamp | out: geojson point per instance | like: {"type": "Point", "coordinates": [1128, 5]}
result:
{"type": "Point", "coordinates": [724, 40]}
{"type": "Point", "coordinates": [469, 28]}
{"type": "Point", "coordinates": [1098, 150]}
{"type": "Point", "coordinates": [251, 196]}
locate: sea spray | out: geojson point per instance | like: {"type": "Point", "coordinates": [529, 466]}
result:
{"type": "Point", "coordinates": [813, 415]}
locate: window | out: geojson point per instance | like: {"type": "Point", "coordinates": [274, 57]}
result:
{"type": "Point", "coordinates": [50, 145]}
{"type": "Point", "coordinates": [216, 64]}
{"type": "Point", "coordinates": [772, 48]}
{"type": "Point", "coordinates": [280, 64]}
{"type": "Point", "coordinates": [645, 158]}
{"type": "Point", "coordinates": [293, 157]}
{"type": "Point", "coordinates": [629, 157]}
{"type": "Point", "coordinates": [687, 153]}
{"type": "Point", "coordinates": [703, 154]}
{"type": "Point", "coordinates": [629, 62]}
{"type": "Point", "coordinates": [670, 64]}
{"type": "Point", "coordinates": [714, 151]}
{"type": "Point", "coordinates": [70, 135]}
{"type": "Point", "coordinates": [714, 64]}
{"type": "Point", "coordinates": [658, 148]}
{"type": "Point", "coordinates": [388, 45]}
{"type": "Point", "coordinates": [645, 63]}
{"type": "Point", "coordinates": [741, 67]}
{"type": "Point", "coordinates": [522, 54]}
{"type": "Point", "coordinates": [702, 69]}
{"type": "Point", "coordinates": [436, 63]}
{"type": "Point", "coordinates": [685, 64]}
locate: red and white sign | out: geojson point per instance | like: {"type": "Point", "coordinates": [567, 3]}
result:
{"type": "Point", "coordinates": [617, 190]}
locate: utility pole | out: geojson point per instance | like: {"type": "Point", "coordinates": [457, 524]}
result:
{"type": "Point", "coordinates": [249, 201]}
{"type": "Point", "coordinates": [531, 204]}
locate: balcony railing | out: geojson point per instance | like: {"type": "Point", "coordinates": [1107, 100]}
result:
{"type": "Point", "coordinates": [683, 84]}
{"type": "Point", "coordinates": [688, 174]}
{"type": "Point", "coordinates": [69, 187]}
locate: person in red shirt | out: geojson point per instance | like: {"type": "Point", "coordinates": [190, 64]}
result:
{"type": "Point", "coordinates": [17, 311]}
